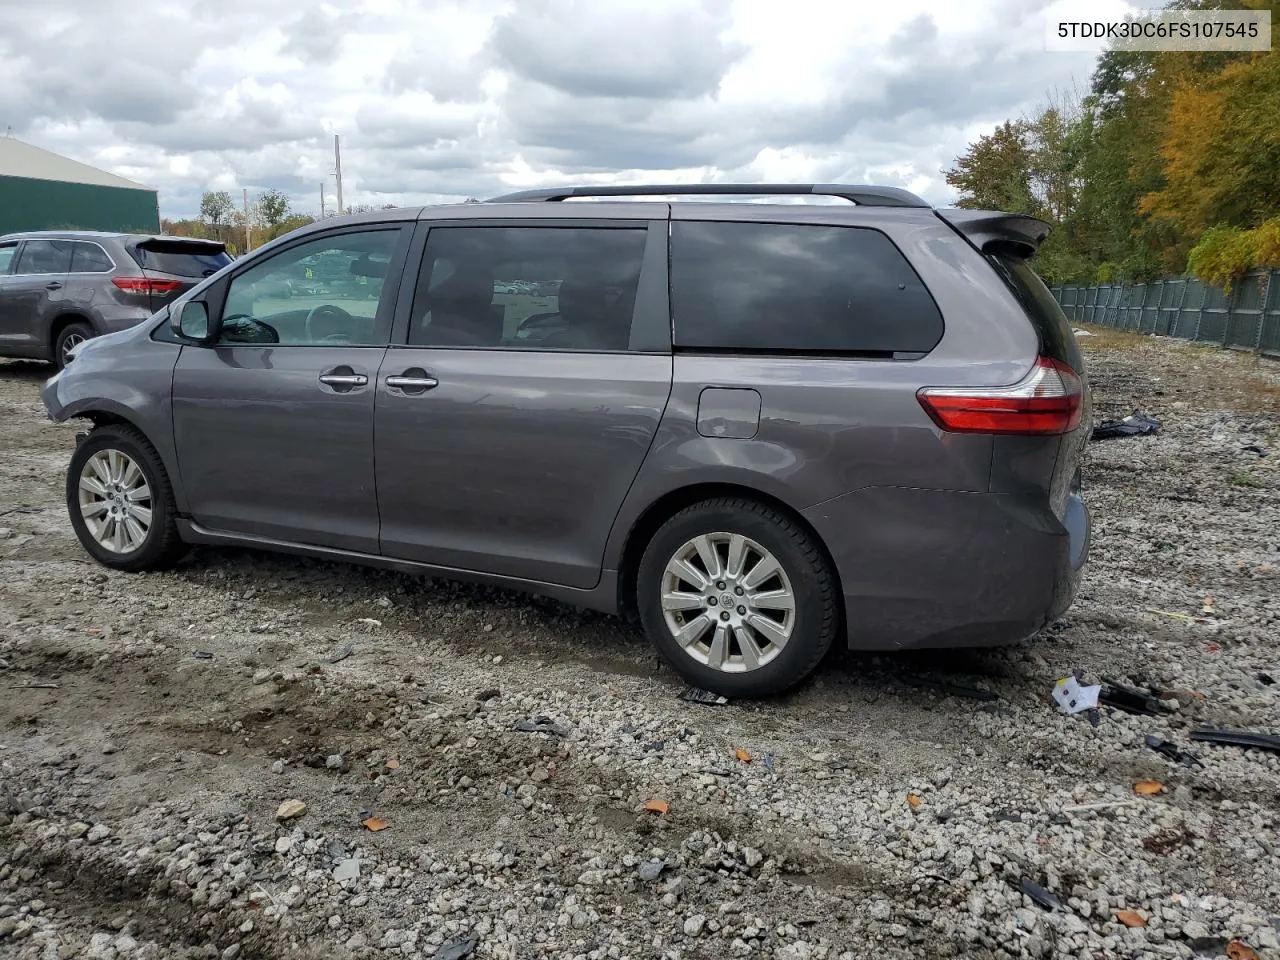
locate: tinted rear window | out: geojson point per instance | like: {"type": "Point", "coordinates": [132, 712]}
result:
{"type": "Point", "coordinates": [1056, 339]}
{"type": "Point", "coordinates": [797, 289]}
{"type": "Point", "coordinates": [44, 256]}
{"type": "Point", "coordinates": [89, 258]}
{"type": "Point", "coordinates": [181, 259]}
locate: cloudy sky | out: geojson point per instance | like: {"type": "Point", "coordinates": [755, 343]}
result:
{"type": "Point", "coordinates": [438, 100]}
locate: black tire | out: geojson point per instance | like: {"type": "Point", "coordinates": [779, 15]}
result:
{"type": "Point", "coordinates": [70, 334]}
{"type": "Point", "coordinates": [817, 619]}
{"type": "Point", "coordinates": [161, 546]}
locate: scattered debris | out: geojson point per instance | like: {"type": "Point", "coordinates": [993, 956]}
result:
{"type": "Point", "coordinates": [393, 764]}
{"type": "Point", "coordinates": [35, 686]}
{"type": "Point", "coordinates": [542, 725]}
{"type": "Point", "coordinates": [768, 762]}
{"type": "Point", "coordinates": [333, 761]}
{"type": "Point", "coordinates": [1007, 816]}
{"type": "Point", "coordinates": [1148, 788]}
{"type": "Point", "coordinates": [347, 870]}
{"type": "Point", "coordinates": [455, 949]}
{"type": "Point", "coordinates": [1081, 332]}
{"type": "Point", "coordinates": [1100, 805]}
{"type": "Point", "coordinates": [202, 654]}
{"type": "Point", "coordinates": [1073, 698]}
{"type": "Point", "coordinates": [655, 746]}
{"type": "Point", "coordinates": [484, 696]}
{"type": "Point", "coordinates": [1130, 700]}
{"type": "Point", "coordinates": [914, 800]}
{"type": "Point", "coordinates": [1134, 425]}
{"type": "Point", "coordinates": [341, 653]}
{"type": "Point", "coordinates": [659, 807]}
{"type": "Point", "coordinates": [369, 622]}
{"type": "Point", "coordinates": [290, 810]}
{"type": "Point", "coordinates": [651, 870]}
{"type": "Point", "coordinates": [1266, 679]}
{"type": "Point", "coordinates": [1238, 738]}
{"type": "Point", "coordinates": [1166, 841]}
{"type": "Point", "coordinates": [742, 755]}
{"type": "Point", "coordinates": [698, 695]}
{"type": "Point", "coordinates": [1040, 895]}
{"type": "Point", "coordinates": [1237, 950]}
{"type": "Point", "coordinates": [375, 824]}
{"type": "Point", "coordinates": [1171, 750]}
{"type": "Point", "coordinates": [1131, 918]}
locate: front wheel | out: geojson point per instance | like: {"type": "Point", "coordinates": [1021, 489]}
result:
{"type": "Point", "coordinates": [121, 502]}
{"type": "Point", "coordinates": [738, 598]}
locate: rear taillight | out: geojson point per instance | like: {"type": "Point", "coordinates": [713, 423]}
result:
{"type": "Point", "coordinates": [146, 285]}
{"type": "Point", "coordinates": [1047, 400]}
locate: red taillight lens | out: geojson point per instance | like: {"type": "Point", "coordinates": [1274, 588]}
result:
{"type": "Point", "coordinates": [146, 285]}
{"type": "Point", "coordinates": [1047, 400]}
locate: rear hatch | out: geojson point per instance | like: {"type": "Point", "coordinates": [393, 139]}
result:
{"type": "Point", "coordinates": [1008, 242]}
{"type": "Point", "coordinates": [171, 266]}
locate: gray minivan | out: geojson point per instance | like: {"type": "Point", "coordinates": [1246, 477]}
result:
{"type": "Point", "coordinates": [758, 427]}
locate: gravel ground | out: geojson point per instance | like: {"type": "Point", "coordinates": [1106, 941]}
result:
{"type": "Point", "coordinates": [151, 727]}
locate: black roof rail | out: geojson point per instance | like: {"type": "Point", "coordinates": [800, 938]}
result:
{"type": "Point", "coordinates": [863, 195]}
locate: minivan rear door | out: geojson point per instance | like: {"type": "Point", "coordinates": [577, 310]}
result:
{"type": "Point", "coordinates": [505, 444]}
{"type": "Point", "coordinates": [173, 265]}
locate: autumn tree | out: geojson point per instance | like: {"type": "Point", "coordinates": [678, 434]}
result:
{"type": "Point", "coordinates": [216, 208]}
{"type": "Point", "coordinates": [273, 208]}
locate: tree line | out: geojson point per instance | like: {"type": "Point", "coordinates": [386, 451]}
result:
{"type": "Point", "coordinates": [1169, 164]}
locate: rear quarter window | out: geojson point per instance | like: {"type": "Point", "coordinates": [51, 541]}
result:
{"type": "Point", "coordinates": [784, 288]}
{"type": "Point", "coordinates": [180, 260]}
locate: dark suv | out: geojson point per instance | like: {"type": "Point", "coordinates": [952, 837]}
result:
{"type": "Point", "coordinates": [761, 428]}
{"type": "Point", "coordinates": [59, 288]}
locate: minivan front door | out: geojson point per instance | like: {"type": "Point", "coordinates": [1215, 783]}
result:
{"type": "Point", "coordinates": [511, 425]}
{"type": "Point", "coordinates": [274, 423]}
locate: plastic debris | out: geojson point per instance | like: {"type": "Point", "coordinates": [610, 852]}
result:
{"type": "Point", "coordinates": [1072, 698]}
{"type": "Point", "coordinates": [542, 725]}
{"type": "Point", "coordinates": [1131, 918]}
{"type": "Point", "coordinates": [202, 654]}
{"type": "Point", "coordinates": [768, 762]}
{"type": "Point", "coordinates": [1236, 950]}
{"type": "Point", "coordinates": [698, 695]}
{"type": "Point", "coordinates": [1148, 788]}
{"type": "Point", "coordinates": [1130, 699]}
{"type": "Point", "coordinates": [1081, 332]}
{"type": "Point", "coordinates": [914, 800]}
{"type": "Point", "coordinates": [1170, 750]}
{"type": "Point", "coordinates": [743, 755]}
{"type": "Point", "coordinates": [1134, 425]}
{"type": "Point", "coordinates": [659, 807]}
{"type": "Point", "coordinates": [1238, 738]}
{"type": "Point", "coordinates": [375, 824]}
{"type": "Point", "coordinates": [1040, 895]}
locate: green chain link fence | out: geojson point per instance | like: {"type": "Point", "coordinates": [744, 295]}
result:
{"type": "Point", "coordinates": [1246, 319]}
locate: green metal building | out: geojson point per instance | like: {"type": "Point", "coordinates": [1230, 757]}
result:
{"type": "Point", "coordinates": [40, 190]}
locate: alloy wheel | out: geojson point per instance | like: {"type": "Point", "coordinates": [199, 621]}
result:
{"type": "Point", "coordinates": [115, 501]}
{"type": "Point", "coordinates": [728, 602]}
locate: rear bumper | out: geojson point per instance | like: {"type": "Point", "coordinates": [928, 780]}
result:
{"type": "Point", "coordinates": [932, 568]}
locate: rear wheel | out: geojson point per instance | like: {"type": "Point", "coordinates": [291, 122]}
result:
{"type": "Point", "coordinates": [121, 502]}
{"type": "Point", "coordinates": [737, 597]}
{"type": "Point", "coordinates": [69, 337]}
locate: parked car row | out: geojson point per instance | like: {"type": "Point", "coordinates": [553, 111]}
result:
{"type": "Point", "coordinates": [760, 429]}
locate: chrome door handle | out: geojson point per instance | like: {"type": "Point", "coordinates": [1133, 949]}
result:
{"type": "Point", "coordinates": [413, 383]}
{"type": "Point", "coordinates": [344, 379]}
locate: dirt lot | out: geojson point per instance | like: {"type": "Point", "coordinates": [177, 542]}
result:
{"type": "Point", "coordinates": [150, 727]}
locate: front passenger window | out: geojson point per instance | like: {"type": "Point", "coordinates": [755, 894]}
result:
{"type": "Point", "coordinates": [327, 291]}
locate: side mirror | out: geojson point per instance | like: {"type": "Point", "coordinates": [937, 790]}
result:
{"type": "Point", "coordinates": [190, 321]}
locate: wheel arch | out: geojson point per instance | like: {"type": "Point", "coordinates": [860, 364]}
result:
{"type": "Point", "coordinates": [669, 504]}
{"type": "Point", "coordinates": [63, 320]}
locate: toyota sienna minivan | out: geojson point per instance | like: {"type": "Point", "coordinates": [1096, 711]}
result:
{"type": "Point", "coordinates": [760, 428]}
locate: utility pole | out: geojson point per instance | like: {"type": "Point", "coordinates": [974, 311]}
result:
{"type": "Point", "coordinates": [321, 199]}
{"type": "Point", "coordinates": [248, 235]}
{"type": "Point", "coordinates": [337, 172]}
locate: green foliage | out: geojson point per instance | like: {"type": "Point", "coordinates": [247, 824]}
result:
{"type": "Point", "coordinates": [1223, 254]}
{"type": "Point", "coordinates": [216, 207]}
{"type": "Point", "coordinates": [273, 207]}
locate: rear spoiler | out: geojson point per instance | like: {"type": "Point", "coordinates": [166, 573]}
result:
{"type": "Point", "coordinates": [162, 242]}
{"type": "Point", "coordinates": [992, 231]}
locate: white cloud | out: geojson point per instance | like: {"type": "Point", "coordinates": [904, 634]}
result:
{"type": "Point", "coordinates": [441, 100]}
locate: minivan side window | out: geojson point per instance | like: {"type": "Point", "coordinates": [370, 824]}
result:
{"type": "Point", "coordinates": [790, 288]}
{"type": "Point", "coordinates": [6, 257]}
{"type": "Point", "coordinates": [89, 258]}
{"type": "Point", "coordinates": [44, 256]}
{"type": "Point", "coordinates": [326, 291]}
{"type": "Point", "coordinates": [531, 288]}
